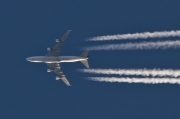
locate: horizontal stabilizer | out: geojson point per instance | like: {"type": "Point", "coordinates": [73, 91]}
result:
{"type": "Point", "coordinates": [85, 53]}
{"type": "Point", "coordinates": [85, 62]}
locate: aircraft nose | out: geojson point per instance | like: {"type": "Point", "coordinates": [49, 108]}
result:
{"type": "Point", "coordinates": [28, 59]}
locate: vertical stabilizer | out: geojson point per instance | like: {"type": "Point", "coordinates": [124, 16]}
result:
{"type": "Point", "coordinates": [85, 55]}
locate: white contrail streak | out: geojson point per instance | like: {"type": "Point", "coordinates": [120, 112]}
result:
{"type": "Point", "coordinates": [136, 72]}
{"type": "Point", "coordinates": [138, 46]}
{"type": "Point", "coordinates": [137, 80]}
{"type": "Point", "coordinates": [144, 35]}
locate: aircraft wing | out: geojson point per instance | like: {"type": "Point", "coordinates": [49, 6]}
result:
{"type": "Point", "coordinates": [54, 51]}
{"type": "Point", "coordinates": [57, 70]}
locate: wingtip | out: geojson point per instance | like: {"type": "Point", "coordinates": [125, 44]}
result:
{"type": "Point", "coordinates": [69, 85]}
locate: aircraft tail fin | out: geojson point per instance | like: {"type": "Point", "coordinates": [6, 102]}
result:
{"type": "Point", "coordinates": [85, 62]}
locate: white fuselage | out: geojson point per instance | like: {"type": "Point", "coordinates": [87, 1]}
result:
{"type": "Point", "coordinates": [51, 59]}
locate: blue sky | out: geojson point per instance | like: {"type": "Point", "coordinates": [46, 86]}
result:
{"type": "Point", "coordinates": [29, 27]}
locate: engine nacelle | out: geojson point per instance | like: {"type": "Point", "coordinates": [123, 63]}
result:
{"type": "Point", "coordinates": [57, 78]}
{"type": "Point", "coordinates": [57, 40]}
{"type": "Point", "coordinates": [49, 70]}
{"type": "Point", "coordinates": [49, 49]}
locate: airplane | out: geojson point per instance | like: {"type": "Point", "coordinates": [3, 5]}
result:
{"type": "Point", "coordinates": [53, 60]}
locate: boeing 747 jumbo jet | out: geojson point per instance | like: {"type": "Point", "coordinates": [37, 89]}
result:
{"type": "Point", "coordinates": [52, 59]}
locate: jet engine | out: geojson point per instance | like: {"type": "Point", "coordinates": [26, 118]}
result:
{"type": "Point", "coordinates": [49, 49]}
{"type": "Point", "coordinates": [57, 78]}
{"type": "Point", "coordinates": [49, 70]}
{"type": "Point", "coordinates": [57, 40]}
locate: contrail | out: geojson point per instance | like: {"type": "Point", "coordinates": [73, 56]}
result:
{"type": "Point", "coordinates": [144, 35]}
{"type": "Point", "coordinates": [138, 46]}
{"type": "Point", "coordinates": [136, 72]}
{"type": "Point", "coordinates": [137, 80]}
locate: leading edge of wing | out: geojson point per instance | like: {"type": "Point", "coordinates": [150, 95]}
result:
{"type": "Point", "coordinates": [55, 67]}
{"type": "Point", "coordinates": [54, 51]}
{"type": "Point", "coordinates": [65, 35]}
